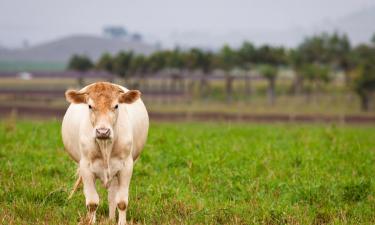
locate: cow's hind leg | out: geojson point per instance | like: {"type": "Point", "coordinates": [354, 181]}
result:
{"type": "Point", "coordinates": [112, 191]}
{"type": "Point", "coordinates": [122, 196]}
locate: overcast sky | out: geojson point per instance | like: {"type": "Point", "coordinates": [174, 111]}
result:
{"type": "Point", "coordinates": [41, 20]}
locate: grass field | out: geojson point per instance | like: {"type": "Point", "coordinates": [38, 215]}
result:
{"type": "Point", "coordinates": [194, 173]}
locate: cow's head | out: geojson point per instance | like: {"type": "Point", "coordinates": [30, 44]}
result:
{"type": "Point", "coordinates": [103, 101]}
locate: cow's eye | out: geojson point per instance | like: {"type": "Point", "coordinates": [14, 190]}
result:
{"type": "Point", "coordinates": [90, 107]}
{"type": "Point", "coordinates": [116, 106]}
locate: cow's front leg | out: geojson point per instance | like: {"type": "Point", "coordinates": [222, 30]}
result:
{"type": "Point", "coordinates": [112, 191]}
{"type": "Point", "coordinates": [122, 196]}
{"type": "Point", "coordinates": [92, 197]}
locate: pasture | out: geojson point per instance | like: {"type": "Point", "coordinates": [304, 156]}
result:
{"type": "Point", "coordinates": [202, 173]}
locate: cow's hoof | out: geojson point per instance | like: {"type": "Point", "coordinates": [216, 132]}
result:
{"type": "Point", "coordinates": [121, 206]}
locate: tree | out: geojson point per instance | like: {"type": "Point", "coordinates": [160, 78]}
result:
{"type": "Point", "coordinates": [363, 73]}
{"type": "Point", "coordinates": [121, 63]}
{"type": "Point", "coordinates": [270, 58]}
{"type": "Point", "coordinates": [329, 49]}
{"type": "Point", "coordinates": [296, 62]}
{"type": "Point", "coordinates": [157, 61]}
{"type": "Point", "coordinates": [315, 74]}
{"type": "Point", "coordinates": [338, 48]}
{"type": "Point", "coordinates": [247, 57]}
{"type": "Point", "coordinates": [175, 64]}
{"type": "Point", "coordinates": [270, 55]}
{"type": "Point", "coordinates": [82, 64]}
{"type": "Point", "coordinates": [269, 72]}
{"type": "Point", "coordinates": [227, 60]}
{"type": "Point", "coordinates": [364, 83]}
{"type": "Point", "coordinates": [195, 59]}
{"type": "Point", "coordinates": [139, 65]}
{"type": "Point", "coordinates": [105, 63]}
{"type": "Point", "coordinates": [174, 59]}
{"type": "Point", "coordinates": [315, 49]}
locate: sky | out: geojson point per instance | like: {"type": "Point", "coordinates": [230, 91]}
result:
{"type": "Point", "coordinates": [162, 20]}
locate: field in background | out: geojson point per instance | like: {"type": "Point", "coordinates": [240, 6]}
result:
{"type": "Point", "coordinates": [202, 173]}
{"type": "Point", "coordinates": [31, 66]}
{"type": "Point", "coordinates": [161, 97]}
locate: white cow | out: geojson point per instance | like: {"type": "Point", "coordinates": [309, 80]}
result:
{"type": "Point", "coordinates": [104, 131]}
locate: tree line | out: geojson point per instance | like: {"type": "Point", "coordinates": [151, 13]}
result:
{"type": "Point", "coordinates": [314, 61]}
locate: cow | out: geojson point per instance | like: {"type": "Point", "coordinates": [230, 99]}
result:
{"type": "Point", "coordinates": [104, 130]}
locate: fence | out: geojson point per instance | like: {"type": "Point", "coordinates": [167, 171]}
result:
{"type": "Point", "coordinates": [161, 87]}
{"type": "Point", "coordinates": [180, 92]}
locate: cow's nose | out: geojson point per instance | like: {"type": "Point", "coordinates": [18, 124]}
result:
{"type": "Point", "coordinates": [102, 133]}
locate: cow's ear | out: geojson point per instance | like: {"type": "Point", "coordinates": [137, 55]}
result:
{"type": "Point", "coordinates": [74, 96]}
{"type": "Point", "coordinates": [129, 97]}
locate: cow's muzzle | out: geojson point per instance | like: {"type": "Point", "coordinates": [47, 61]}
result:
{"type": "Point", "coordinates": [103, 133]}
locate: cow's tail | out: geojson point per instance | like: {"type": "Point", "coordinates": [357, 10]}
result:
{"type": "Point", "coordinates": [76, 185]}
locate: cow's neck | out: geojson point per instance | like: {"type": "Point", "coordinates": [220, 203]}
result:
{"type": "Point", "coordinates": [105, 147]}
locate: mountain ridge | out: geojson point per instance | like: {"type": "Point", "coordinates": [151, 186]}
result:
{"type": "Point", "coordinates": [60, 50]}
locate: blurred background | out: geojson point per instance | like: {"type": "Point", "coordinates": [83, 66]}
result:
{"type": "Point", "coordinates": [291, 60]}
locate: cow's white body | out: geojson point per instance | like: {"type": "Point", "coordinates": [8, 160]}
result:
{"type": "Point", "coordinates": [132, 127]}
{"type": "Point", "coordinates": [109, 160]}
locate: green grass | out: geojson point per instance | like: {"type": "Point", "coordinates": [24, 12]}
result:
{"type": "Point", "coordinates": [202, 173]}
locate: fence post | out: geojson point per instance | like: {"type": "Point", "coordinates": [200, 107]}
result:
{"type": "Point", "coordinates": [247, 86]}
{"type": "Point", "coordinates": [229, 86]}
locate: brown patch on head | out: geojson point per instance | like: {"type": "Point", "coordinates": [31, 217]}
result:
{"type": "Point", "coordinates": [103, 94]}
{"type": "Point", "coordinates": [130, 96]}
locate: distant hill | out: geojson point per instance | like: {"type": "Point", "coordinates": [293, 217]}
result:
{"type": "Point", "coordinates": [62, 49]}
{"type": "Point", "coordinates": [360, 26]}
